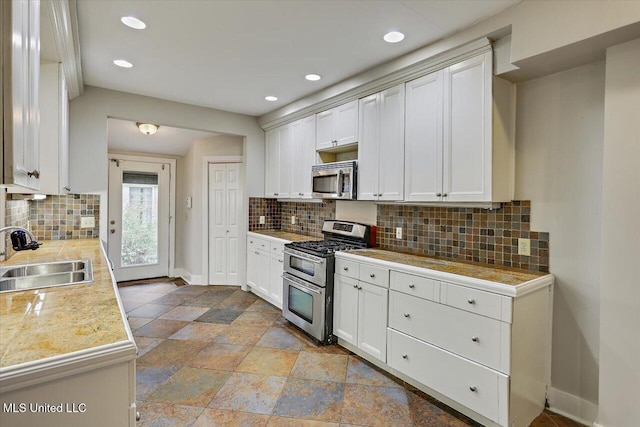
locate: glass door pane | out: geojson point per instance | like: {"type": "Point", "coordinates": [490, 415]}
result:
{"type": "Point", "coordinates": [301, 303]}
{"type": "Point", "coordinates": [139, 219]}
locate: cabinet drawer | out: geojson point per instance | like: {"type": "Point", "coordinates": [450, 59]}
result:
{"type": "Point", "coordinates": [277, 248]}
{"type": "Point", "coordinates": [476, 387]}
{"type": "Point", "coordinates": [347, 268]}
{"type": "Point", "coordinates": [481, 339]}
{"type": "Point", "coordinates": [415, 285]}
{"type": "Point", "coordinates": [374, 275]}
{"type": "Point", "coordinates": [257, 243]}
{"type": "Point", "coordinates": [475, 301]}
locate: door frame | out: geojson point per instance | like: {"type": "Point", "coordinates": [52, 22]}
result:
{"type": "Point", "coordinates": [242, 234]}
{"type": "Point", "coordinates": [172, 198]}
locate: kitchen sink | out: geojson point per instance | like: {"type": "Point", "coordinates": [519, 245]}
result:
{"type": "Point", "coordinates": [32, 276]}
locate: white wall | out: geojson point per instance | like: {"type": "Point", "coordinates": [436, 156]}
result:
{"type": "Point", "coordinates": [189, 232]}
{"type": "Point", "coordinates": [620, 289]}
{"type": "Point", "coordinates": [559, 137]}
{"type": "Point", "coordinates": [88, 135]}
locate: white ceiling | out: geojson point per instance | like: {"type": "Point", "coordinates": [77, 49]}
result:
{"type": "Point", "coordinates": [123, 135]}
{"type": "Point", "coordinates": [231, 54]}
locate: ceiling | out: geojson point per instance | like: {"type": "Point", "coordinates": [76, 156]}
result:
{"type": "Point", "coordinates": [229, 55]}
{"type": "Point", "coordinates": [123, 135]}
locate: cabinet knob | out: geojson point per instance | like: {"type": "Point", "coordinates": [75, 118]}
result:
{"type": "Point", "coordinates": [411, 286]}
{"type": "Point", "coordinates": [445, 195]}
{"type": "Point", "coordinates": [275, 194]}
{"type": "Point", "coordinates": [250, 241]}
{"type": "Point", "coordinates": [112, 231]}
{"type": "Point", "coordinates": [407, 315]}
{"type": "Point", "coordinates": [300, 194]}
{"type": "Point", "coordinates": [475, 339]}
{"type": "Point", "coordinates": [34, 174]}
{"type": "Point", "coordinates": [355, 286]}
{"type": "Point", "coordinates": [372, 275]}
{"type": "Point", "coordinates": [280, 260]}
{"type": "Point", "coordinates": [405, 356]}
{"type": "Point", "coordinates": [438, 194]}
{"type": "Point", "coordinates": [473, 388]}
{"type": "Point", "coordinates": [257, 253]}
{"type": "Point", "coordinates": [471, 301]}
{"type": "Point", "coordinates": [359, 288]}
{"type": "Point", "coordinates": [345, 268]}
{"type": "Point", "coordinates": [66, 188]}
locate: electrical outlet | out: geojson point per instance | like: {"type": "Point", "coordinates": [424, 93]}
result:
{"type": "Point", "coordinates": [293, 220]}
{"type": "Point", "coordinates": [87, 222]}
{"type": "Point", "coordinates": [398, 232]}
{"type": "Point", "coordinates": [262, 219]}
{"type": "Point", "coordinates": [524, 247]}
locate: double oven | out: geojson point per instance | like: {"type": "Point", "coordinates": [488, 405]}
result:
{"type": "Point", "coordinates": [308, 276]}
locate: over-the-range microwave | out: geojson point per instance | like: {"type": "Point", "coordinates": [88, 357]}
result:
{"type": "Point", "coordinates": [335, 180]}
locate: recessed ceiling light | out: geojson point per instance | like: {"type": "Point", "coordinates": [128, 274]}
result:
{"type": "Point", "coordinates": [134, 23]}
{"type": "Point", "coordinates": [271, 98]}
{"type": "Point", "coordinates": [393, 37]}
{"type": "Point", "coordinates": [313, 77]}
{"type": "Point", "coordinates": [122, 63]}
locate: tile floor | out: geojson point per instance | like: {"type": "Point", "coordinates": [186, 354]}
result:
{"type": "Point", "coordinates": [218, 356]}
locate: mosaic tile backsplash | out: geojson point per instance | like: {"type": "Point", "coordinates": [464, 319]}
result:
{"type": "Point", "coordinates": [58, 217]}
{"type": "Point", "coordinates": [469, 234]}
{"type": "Point", "coordinates": [16, 213]}
{"type": "Point", "coordinates": [309, 216]}
{"type": "Point", "coordinates": [269, 208]}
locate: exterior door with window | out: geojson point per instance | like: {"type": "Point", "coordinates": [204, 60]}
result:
{"type": "Point", "coordinates": [225, 216]}
{"type": "Point", "coordinates": [138, 219]}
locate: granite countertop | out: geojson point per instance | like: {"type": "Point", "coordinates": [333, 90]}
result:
{"type": "Point", "coordinates": [501, 275]}
{"type": "Point", "coordinates": [40, 323]}
{"type": "Point", "coordinates": [286, 235]}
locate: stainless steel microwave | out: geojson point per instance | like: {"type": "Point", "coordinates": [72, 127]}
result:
{"type": "Point", "coordinates": [335, 180]}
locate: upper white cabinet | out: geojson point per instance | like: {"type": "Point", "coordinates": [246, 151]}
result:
{"type": "Point", "coordinates": [337, 127]}
{"type": "Point", "coordinates": [20, 69]}
{"type": "Point", "coordinates": [278, 164]}
{"type": "Point", "coordinates": [381, 145]}
{"type": "Point", "coordinates": [459, 145]}
{"type": "Point", "coordinates": [303, 137]}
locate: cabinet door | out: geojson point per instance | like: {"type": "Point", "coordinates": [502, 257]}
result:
{"type": "Point", "coordinates": [423, 138]}
{"type": "Point", "coordinates": [297, 154]}
{"type": "Point", "coordinates": [253, 267]}
{"type": "Point", "coordinates": [63, 138]}
{"type": "Point", "coordinates": [263, 272]}
{"type": "Point", "coordinates": [345, 309]}
{"type": "Point", "coordinates": [32, 144]}
{"type": "Point", "coordinates": [285, 162]}
{"type": "Point", "coordinates": [391, 144]}
{"type": "Point", "coordinates": [368, 147]}
{"type": "Point", "coordinates": [275, 278]}
{"type": "Point", "coordinates": [467, 130]}
{"type": "Point", "coordinates": [308, 156]}
{"type": "Point", "coordinates": [324, 129]}
{"type": "Point", "coordinates": [346, 123]}
{"type": "Point", "coordinates": [372, 320]}
{"type": "Point", "coordinates": [272, 156]}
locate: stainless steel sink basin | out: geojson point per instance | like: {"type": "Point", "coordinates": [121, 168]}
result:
{"type": "Point", "coordinates": [32, 276]}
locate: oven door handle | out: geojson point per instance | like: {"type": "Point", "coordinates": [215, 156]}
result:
{"type": "Point", "coordinates": [294, 253]}
{"type": "Point", "coordinates": [301, 284]}
{"type": "Point", "coordinates": [340, 183]}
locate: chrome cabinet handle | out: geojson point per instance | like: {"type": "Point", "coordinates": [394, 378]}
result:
{"type": "Point", "coordinates": [66, 188]}
{"type": "Point", "coordinates": [473, 388]}
{"type": "Point", "coordinates": [407, 315]}
{"type": "Point", "coordinates": [112, 231]}
{"type": "Point", "coordinates": [411, 286]}
{"type": "Point", "coordinates": [34, 174]}
{"type": "Point", "coordinates": [372, 275]}
{"type": "Point", "coordinates": [355, 286]}
{"type": "Point", "coordinates": [345, 268]}
{"type": "Point", "coordinates": [438, 194]}
{"type": "Point", "coordinates": [445, 195]}
{"type": "Point", "coordinates": [471, 301]}
{"type": "Point", "coordinates": [405, 356]}
{"type": "Point", "coordinates": [359, 288]}
{"type": "Point", "coordinates": [475, 339]}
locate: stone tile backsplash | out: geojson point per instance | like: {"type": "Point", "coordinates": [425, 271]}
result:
{"type": "Point", "coordinates": [309, 216]}
{"type": "Point", "coordinates": [16, 213]}
{"type": "Point", "coordinates": [269, 208]}
{"type": "Point", "coordinates": [58, 217]}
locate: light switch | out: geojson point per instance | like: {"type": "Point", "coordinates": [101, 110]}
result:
{"type": "Point", "coordinates": [87, 222]}
{"type": "Point", "coordinates": [293, 220]}
{"type": "Point", "coordinates": [262, 219]}
{"type": "Point", "coordinates": [524, 247]}
{"type": "Point", "coordinates": [398, 232]}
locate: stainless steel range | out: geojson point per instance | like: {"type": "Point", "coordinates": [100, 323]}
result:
{"type": "Point", "coordinates": [308, 276]}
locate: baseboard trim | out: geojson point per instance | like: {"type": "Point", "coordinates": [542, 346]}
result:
{"type": "Point", "coordinates": [573, 407]}
{"type": "Point", "coordinates": [188, 277]}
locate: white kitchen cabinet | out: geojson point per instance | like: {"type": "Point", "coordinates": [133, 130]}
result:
{"type": "Point", "coordinates": [265, 263]}
{"type": "Point", "coordinates": [285, 159]}
{"type": "Point", "coordinates": [381, 145]}
{"type": "Point", "coordinates": [337, 127]}
{"type": "Point", "coordinates": [303, 140]}
{"type": "Point", "coordinates": [459, 136]}
{"type": "Point", "coordinates": [272, 162]}
{"type": "Point", "coordinates": [20, 73]}
{"type": "Point", "coordinates": [276, 264]}
{"type": "Point", "coordinates": [360, 313]}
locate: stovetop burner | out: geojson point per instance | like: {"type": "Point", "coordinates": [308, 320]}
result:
{"type": "Point", "coordinates": [323, 247]}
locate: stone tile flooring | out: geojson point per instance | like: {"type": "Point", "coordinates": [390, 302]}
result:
{"type": "Point", "coordinates": [218, 356]}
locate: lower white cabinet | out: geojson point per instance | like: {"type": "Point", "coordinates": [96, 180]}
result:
{"type": "Point", "coordinates": [360, 315]}
{"type": "Point", "coordinates": [265, 262]}
{"type": "Point", "coordinates": [276, 261]}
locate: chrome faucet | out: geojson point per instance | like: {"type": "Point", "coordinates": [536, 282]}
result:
{"type": "Point", "coordinates": [18, 242]}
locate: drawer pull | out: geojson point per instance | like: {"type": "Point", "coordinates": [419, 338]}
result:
{"type": "Point", "coordinates": [471, 301]}
{"type": "Point", "coordinates": [355, 286]}
{"type": "Point", "coordinates": [405, 356]}
{"type": "Point", "coordinates": [411, 286]}
{"type": "Point", "coordinates": [359, 288]}
{"type": "Point", "coordinates": [473, 388]}
{"type": "Point", "coordinates": [407, 315]}
{"type": "Point", "coordinates": [345, 268]}
{"type": "Point", "coordinates": [250, 241]}
{"type": "Point", "coordinates": [372, 275]}
{"type": "Point", "coordinates": [280, 260]}
{"type": "Point", "coordinates": [475, 339]}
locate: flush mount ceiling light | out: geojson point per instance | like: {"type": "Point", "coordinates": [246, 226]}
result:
{"type": "Point", "coordinates": [271, 98]}
{"type": "Point", "coordinates": [147, 128]}
{"type": "Point", "coordinates": [313, 77]}
{"type": "Point", "coordinates": [393, 37]}
{"type": "Point", "coordinates": [133, 22]}
{"type": "Point", "coordinates": [123, 63]}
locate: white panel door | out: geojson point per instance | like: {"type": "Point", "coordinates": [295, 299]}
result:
{"type": "Point", "coordinates": [372, 320]}
{"type": "Point", "coordinates": [225, 215]}
{"type": "Point", "coordinates": [368, 147]}
{"type": "Point", "coordinates": [345, 309]}
{"type": "Point", "coordinates": [272, 163]}
{"type": "Point", "coordinates": [391, 144]}
{"type": "Point", "coordinates": [423, 138]}
{"type": "Point", "coordinates": [285, 166]}
{"type": "Point", "coordinates": [467, 130]}
{"type": "Point", "coordinates": [346, 123]}
{"type": "Point", "coordinates": [139, 219]}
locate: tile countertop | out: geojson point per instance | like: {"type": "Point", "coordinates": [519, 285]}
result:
{"type": "Point", "coordinates": [501, 275]}
{"type": "Point", "coordinates": [41, 323]}
{"type": "Point", "coordinates": [285, 235]}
